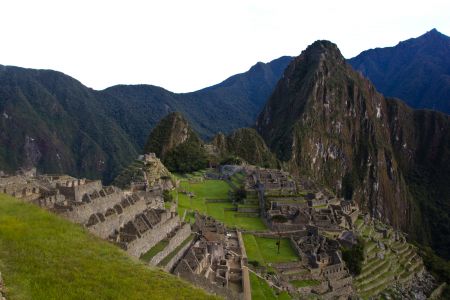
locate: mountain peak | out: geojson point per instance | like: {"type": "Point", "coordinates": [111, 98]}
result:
{"type": "Point", "coordinates": [433, 34]}
{"type": "Point", "coordinates": [319, 52]}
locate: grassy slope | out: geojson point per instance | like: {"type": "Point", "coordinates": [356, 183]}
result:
{"type": "Point", "coordinates": [214, 189]}
{"type": "Point", "coordinates": [43, 256]}
{"type": "Point", "coordinates": [262, 291]}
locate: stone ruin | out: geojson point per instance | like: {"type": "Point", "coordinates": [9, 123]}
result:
{"type": "Point", "coordinates": [321, 256]}
{"type": "Point", "coordinates": [135, 220]}
{"type": "Point", "coordinates": [274, 181]}
{"type": "Point", "coordinates": [216, 261]}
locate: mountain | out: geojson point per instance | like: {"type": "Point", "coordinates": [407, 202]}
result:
{"type": "Point", "coordinates": [247, 144]}
{"type": "Point", "coordinates": [416, 70]}
{"type": "Point", "coordinates": [327, 121]}
{"type": "Point", "coordinates": [53, 122]}
{"type": "Point", "coordinates": [231, 104]}
{"type": "Point", "coordinates": [177, 144]}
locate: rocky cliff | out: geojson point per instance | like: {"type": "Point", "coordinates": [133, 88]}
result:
{"type": "Point", "coordinates": [327, 121]}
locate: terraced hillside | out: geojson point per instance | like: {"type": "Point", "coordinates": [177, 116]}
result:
{"type": "Point", "coordinates": [43, 256]}
{"type": "Point", "coordinates": [389, 259]}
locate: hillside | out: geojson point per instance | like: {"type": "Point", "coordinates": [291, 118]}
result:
{"type": "Point", "coordinates": [45, 257]}
{"type": "Point", "coordinates": [416, 70]}
{"type": "Point", "coordinates": [326, 121]}
{"type": "Point", "coordinates": [247, 144]}
{"type": "Point", "coordinates": [52, 121]}
{"type": "Point", "coordinates": [177, 144]}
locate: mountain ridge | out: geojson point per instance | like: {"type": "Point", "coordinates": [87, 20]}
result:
{"type": "Point", "coordinates": [416, 70]}
{"type": "Point", "coordinates": [53, 122]}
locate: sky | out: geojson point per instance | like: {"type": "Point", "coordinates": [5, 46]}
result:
{"type": "Point", "coordinates": [186, 45]}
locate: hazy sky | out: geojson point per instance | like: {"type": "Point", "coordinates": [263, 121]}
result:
{"type": "Point", "coordinates": [187, 45]}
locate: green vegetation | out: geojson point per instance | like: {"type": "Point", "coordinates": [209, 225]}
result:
{"type": "Point", "coordinates": [147, 256]}
{"type": "Point", "coordinates": [438, 266]}
{"type": "Point", "coordinates": [354, 257]}
{"type": "Point", "coordinates": [221, 211]}
{"type": "Point", "coordinates": [186, 157]}
{"type": "Point", "coordinates": [43, 256]}
{"type": "Point", "coordinates": [265, 250]}
{"type": "Point", "coordinates": [304, 283]}
{"type": "Point", "coordinates": [262, 291]}
{"type": "Point", "coordinates": [177, 145]}
{"type": "Point", "coordinates": [246, 144]}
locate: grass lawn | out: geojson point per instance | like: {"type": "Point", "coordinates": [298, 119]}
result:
{"type": "Point", "coordinates": [213, 189]}
{"type": "Point", "coordinates": [43, 256]}
{"type": "Point", "coordinates": [304, 283]}
{"type": "Point", "coordinates": [147, 256]}
{"type": "Point", "coordinates": [265, 250]}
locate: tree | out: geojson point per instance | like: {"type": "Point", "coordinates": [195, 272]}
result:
{"type": "Point", "coordinates": [354, 257]}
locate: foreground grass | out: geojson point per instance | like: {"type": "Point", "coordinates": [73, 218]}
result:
{"type": "Point", "coordinates": [214, 189]}
{"type": "Point", "coordinates": [265, 250]}
{"type": "Point", "coordinates": [43, 256]}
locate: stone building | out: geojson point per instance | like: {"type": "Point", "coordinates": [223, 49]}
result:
{"type": "Point", "coordinates": [215, 262]}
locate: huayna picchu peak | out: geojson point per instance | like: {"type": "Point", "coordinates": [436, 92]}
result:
{"type": "Point", "coordinates": [327, 121]}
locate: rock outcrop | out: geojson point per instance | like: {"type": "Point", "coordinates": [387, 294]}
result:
{"type": "Point", "coordinates": [327, 121]}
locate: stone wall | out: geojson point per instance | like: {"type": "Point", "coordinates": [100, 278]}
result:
{"type": "Point", "coordinates": [248, 209]}
{"type": "Point", "coordinates": [80, 213]}
{"type": "Point", "coordinates": [246, 286]}
{"type": "Point", "coordinates": [115, 221]}
{"type": "Point", "coordinates": [77, 192]}
{"type": "Point", "coordinates": [244, 258]}
{"type": "Point", "coordinates": [174, 242]}
{"type": "Point", "coordinates": [172, 263]}
{"type": "Point", "coordinates": [151, 237]}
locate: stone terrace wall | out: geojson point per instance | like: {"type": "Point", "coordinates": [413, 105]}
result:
{"type": "Point", "coordinates": [173, 262]}
{"type": "Point", "coordinates": [174, 242]}
{"type": "Point", "coordinates": [151, 237]}
{"type": "Point", "coordinates": [77, 192]}
{"type": "Point", "coordinates": [115, 221]}
{"type": "Point", "coordinates": [81, 213]}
